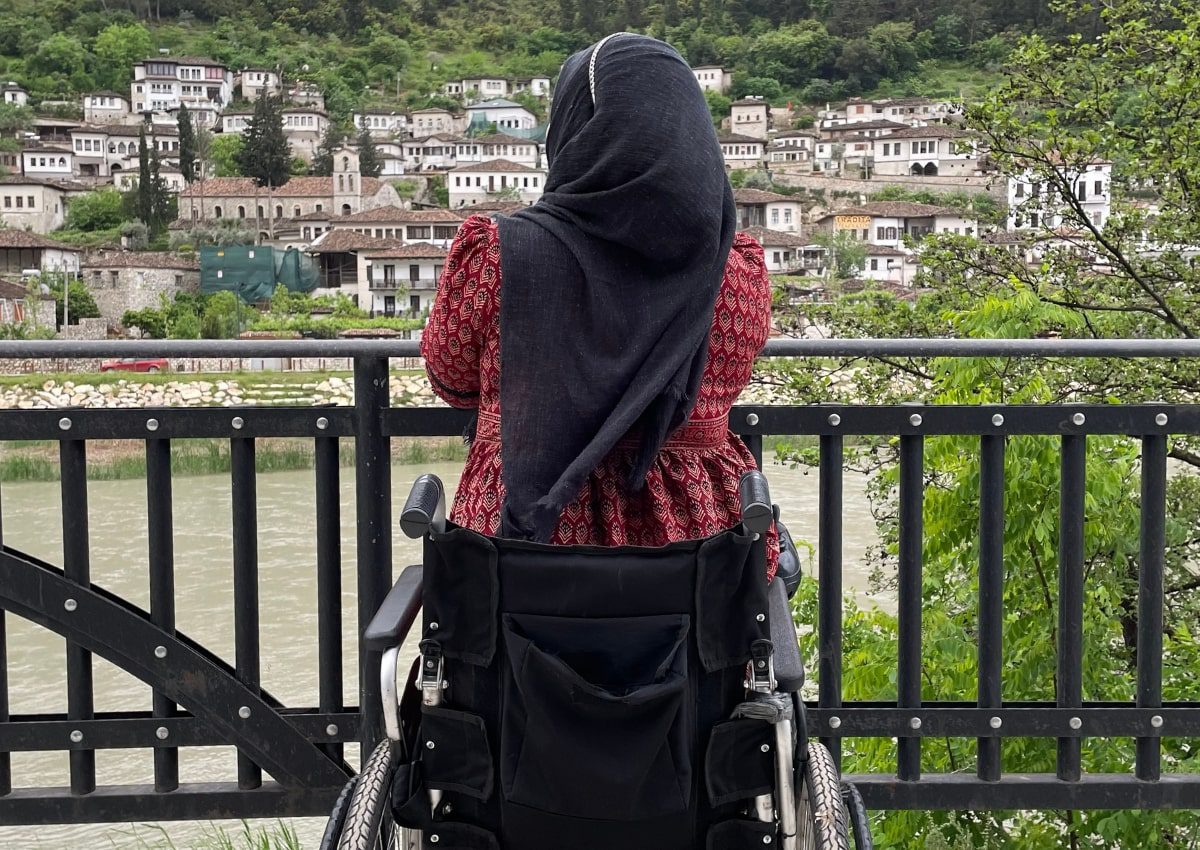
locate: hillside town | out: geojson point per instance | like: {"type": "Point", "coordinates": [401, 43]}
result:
{"type": "Point", "coordinates": [378, 235]}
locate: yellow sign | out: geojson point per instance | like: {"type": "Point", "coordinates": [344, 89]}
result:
{"type": "Point", "coordinates": [851, 222]}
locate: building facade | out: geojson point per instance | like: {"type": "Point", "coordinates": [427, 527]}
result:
{"type": "Point", "coordinates": [133, 280]}
{"type": "Point", "coordinates": [164, 82]}
{"type": "Point", "coordinates": [497, 179]}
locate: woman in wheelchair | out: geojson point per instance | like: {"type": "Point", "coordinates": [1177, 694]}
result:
{"type": "Point", "coordinates": [642, 693]}
{"type": "Point", "coordinates": [603, 333]}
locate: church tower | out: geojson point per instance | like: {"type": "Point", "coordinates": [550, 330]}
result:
{"type": "Point", "coordinates": [347, 182]}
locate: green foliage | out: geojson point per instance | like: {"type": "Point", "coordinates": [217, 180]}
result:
{"type": "Point", "coordinates": [187, 144]}
{"type": "Point", "coordinates": [15, 118]}
{"type": "Point", "coordinates": [150, 322]}
{"type": "Point", "coordinates": [222, 316]}
{"type": "Point", "coordinates": [718, 104]}
{"type": "Point", "coordinates": [152, 203]}
{"type": "Point", "coordinates": [405, 188]}
{"type": "Point", "coordinates": [101, 209]}
{"type": "Point", "coordinates": [265, 154]}
{"type": "Point", "coordinates": [116, 48]}
{"type": "Point", "coordinates": [186, 326]}
{"type": "Point", "coordinates": [80, 303]}
{"type": "Point", "coordinates": [331, 140]}
{"type": "Point", "coordinates": [849, 255]}
{"type": "Point", "coordinates": [438, 191]}
{"type": "Point", "coordinates": [764, 87]}
{"type": "Point", "coordinates": [224, 155]}
{"type": "Point", "coordinates": [370, 164]}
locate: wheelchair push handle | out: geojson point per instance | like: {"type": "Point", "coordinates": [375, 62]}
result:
{"type": "Point", "coordinates": [425, 507]}
{"type": "Point", "coordinates": [757, 511]}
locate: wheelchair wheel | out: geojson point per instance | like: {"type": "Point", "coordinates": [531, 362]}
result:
{"type": "Point", "coordinates": [860, 821]}
{"type": "Point", "coordinates": [821, 821]}
{"type": "Point", "coordinates": [366, 823]}
{"type": "Point", "coordinates": [337, 818]}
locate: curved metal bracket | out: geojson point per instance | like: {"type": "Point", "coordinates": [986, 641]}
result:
{"type": "Point", "coordinates": [202, 684]}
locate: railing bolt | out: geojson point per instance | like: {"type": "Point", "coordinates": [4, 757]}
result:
{"type": "Point", "coordinates": [751, 418]}
{"type": "Point", "coordinates": [995, 723]}
{"type": "Point", "coordinates": [1075, 723]}
{"type": "Point", "coordinates": [70, 605]}
{"type": "Point", "coordinates": [76, 736]}
{"type": "Point", "coordinates": [429, 745]}
{"type": "Point", "coordinates": [244, 712]}
{"type": "Point", "coordinates": [998, 420]}
{"type": "Point", "coordinates": [915, 420]}
{"type": "Point", "coordinates": [1161, 419]}
{"type": "Point", "coordinates": [1078, 418]}
{"type": "Point", "coordinates": [434, 839]}
{"type": "Point", "coordinates": [1156, 721]}
{"type": "Point", "coordinates": [835, 722]}
{"type": "Point", "coordinates": [238, 422]}
{"type": "Point", "coordinates": [160, 652]}
{"type": "Point", "coordinates": [331, 730]}
{"type": "Point", "coordinates": [915, 723]}
{"type": "Point", "coordinates": [765, 748]}
{"type": "Point", "coordinates": [151, 424]}
{"type": "Point", "coordinates": [64, 424]}
{"type": "Point", "coordinates": [766, 839]}
{"type": "Point", "coordinates": [162, 733]}
{"type": "Point", "coordinates": [322, 423]}
{"type": "Point", "coordinates": [760, 617]}
{"type": "Point", "coordinates": [433, 627]}
{"type": "Point", "coordinates": [446, 809]}
{"type": "Point", "coordinates": [835, 420]}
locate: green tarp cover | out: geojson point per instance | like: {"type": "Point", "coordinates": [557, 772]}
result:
{"type": "Point", "coordinates": [254, 271]}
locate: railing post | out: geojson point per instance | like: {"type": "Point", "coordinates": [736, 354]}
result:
{"type": "Point", "coordinates": [991, 594]}
{"type": "Point", "coordinates": [908, 672]}
{"type": "Point", "coordinates": [1150, 596]}
{"type": "Point", "coordinates": [329, 581]}
{"type": "Point", "coordinates": [373, 498]}
{"type": "Point", "coordinates": [829, 582]}
{"type": "Point", "coordinates": [160, 528]}
{"type": "Point", "coordinates": [245, 583]}
{"type": "Point", "coordinates": [1070, 595]}
{"type": "Point", "coordinates": [77, 568]}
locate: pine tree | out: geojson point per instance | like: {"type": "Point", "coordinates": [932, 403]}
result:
{"type": "Point", "coordinates": [322, 164]}
{"type": "Point", "coordinates": [369, 162]}
{"type": "Point", "coordinates": [143, 205]}
{"type": "Point", "coordinates": [265, 154]}
{"type": "Point", "coordinates": [160, 197]}
{"type": "Point", "coordinates": [187, 144]}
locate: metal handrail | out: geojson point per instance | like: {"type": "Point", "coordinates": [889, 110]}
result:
{"type": "Point", "coordinates": [866, 348]}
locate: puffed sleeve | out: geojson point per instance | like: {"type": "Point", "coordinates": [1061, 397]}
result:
{"type": "Point", "coordinates": [463, 309]}
{"type": "Point", "coordinates": [754, 285]}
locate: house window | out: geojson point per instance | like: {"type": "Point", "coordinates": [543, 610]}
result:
{"type": "Point", "coordinates": [1081, 190]}
{"type": "Point", "coordinates": [29, 201]}
{"type": "Point", "coordinates": [418, 232]}
{"type": "Point", "coordinates": [774, 216]}
{"type": "Point", "coordinates": [1033, 219]}
{"type": "Point", "coordinates": [179, 281]}
{"type": "Point", "coordinates": [1020, 192]}
{"type": "Point", "coordinates": [879, 233]}
{"type": "Point", "coordinates": [217, 211]}
{"type": "Point", "coordinates": [787, 216]}
{"type": "Point", "coordinates": [874, 265]}
{"type": "Point", "coordinates": [20, 202]}
{"type": "Point", "coordinates": [279, 210]}
{"type": "Point", "coordinates": [112, 279]}
{"type": "Point", "coordinates": [1098, 188]}
{"type": "Point", "coordinates": [8, 202]}
{"type": "Point", "coordinates": [444, 231]}
{"type": "Point", "coordinates": [241, 212]}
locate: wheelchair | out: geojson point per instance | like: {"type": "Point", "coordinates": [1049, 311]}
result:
{"type": "Point", "coordinates": [594, 698]}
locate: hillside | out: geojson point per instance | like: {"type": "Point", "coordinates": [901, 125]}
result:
{"type": "Point", "coordinates": [362, 52]}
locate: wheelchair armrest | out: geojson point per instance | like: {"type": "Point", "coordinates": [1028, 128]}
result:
{"type": "Point", "coordinates": [757, 510]}
{"type": "Point", "coordinates": [788, 568]}
{"type": "Point", "coordinates": [398, 612]}
{"type": "Point", "coordinates": [425, 507]}
{"type": "Point", "coordinates": [789, 665]}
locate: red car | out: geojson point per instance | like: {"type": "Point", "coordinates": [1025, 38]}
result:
{"type": "Point", "coordinates": [133, 364]}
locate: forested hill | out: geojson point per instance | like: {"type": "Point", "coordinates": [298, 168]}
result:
{"type": "Point", "coordinates": [368, 50]}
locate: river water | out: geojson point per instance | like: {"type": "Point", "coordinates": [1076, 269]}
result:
{"type": "Point", "coordinates": [32, 522]}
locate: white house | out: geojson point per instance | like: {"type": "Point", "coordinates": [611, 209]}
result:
{"type": "Point", "coordinates": [34, 204]}
{"type": "Point", "coordinates": [929, 151]}
{"type": "Point", "coordinates": [104, 150]}
{"type": "Point", "coordinates": [304, 127]}
{"type": "Point", "coordinates": [781, 251]}
{"type": "Point", "coordinates": [432, 121]}
{"type": "Point", "coordinates": [21, 250]}
{"type": "Point", "coordinates": [750, 116]}
{"type": "Point", "coordinates": [15, 94]}
{"type": "Point", "coordinates": [505, 114]}
{"type": "Point", "coordinates": [893, 265]}
{"type": "Point", "coordinates": [484, 88]}
{"type": "Point", "coordinates": [757, 208]}
{"type": "Point", "coordinates": [913, 111]}
{"type": "Point", "coordinates": [889, 222]}
{"type": "Point", "coordinates": [106, 107]}
{"type": "Point", "coordinates": [437, 227]}
{"type": "Point", "coordinates": [713, 78]}
{"type": "Point", "coordinates": [1033, 204]}
{"type": "Point", "coordinates": [172, 178]}
{"type": "Point", "coordinates": [742, 151]}
{"type": "Point", "coordinates": [473, 183]}
{"type": "Point", "coordinates": [497, 146]}
{"type": "Point", "coordinates": [870, 129]}
{"type": "Point", "coordinates": [431, 153]}
{"type": "Point", "coordinates": [256, 82]}
{"type": "Point", "coordinates": [400, 281]}
{"type": "Point", "coordinates": [536, 86]}
{"type": "Point", "coordinates": [382, 123]}
{"type": "Point", "coordinates": [164, 82]}
{"type": "Point", "coordinates": [47, 161]}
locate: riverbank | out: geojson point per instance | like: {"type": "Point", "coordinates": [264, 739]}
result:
{"type": "Point", "coordinates": [116, 460]}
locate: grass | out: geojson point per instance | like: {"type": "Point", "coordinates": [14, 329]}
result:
{"type": "Point", "coordinates": [113, 460]}
{"type": "Point", "coordinates": [154, 837]}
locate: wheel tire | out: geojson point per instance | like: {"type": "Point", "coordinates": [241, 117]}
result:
{"type": "Point", "coordinates": [152, 369]}
{"type": "Point", "coordinates": [337, 818]}
{"type": "Point", "coordinates": [860, 821]}
{"type": "Point", "coordinates": [821, 821]}
{"type": "Point", "coordinates": [367, 824]}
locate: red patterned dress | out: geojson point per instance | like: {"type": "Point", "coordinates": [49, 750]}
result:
{"type": "Point", "coordinates": [691, 490]}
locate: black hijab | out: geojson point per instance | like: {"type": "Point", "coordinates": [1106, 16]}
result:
{"type": "Point", "coordinates": [610, 279]}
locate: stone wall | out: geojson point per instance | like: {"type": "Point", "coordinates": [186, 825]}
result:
{"type": "Point", "coordinates": [136, 289]}
{"type": "Point", "coordinates": [801, 177]}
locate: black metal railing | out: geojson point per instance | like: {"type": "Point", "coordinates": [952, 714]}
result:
{"type": "Point", "coordinates": [199, 700]}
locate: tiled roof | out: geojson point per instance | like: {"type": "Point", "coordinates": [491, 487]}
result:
{"type": "Point", "coordinates": [894, 209]}
{"type": "Point", "coordinates": [126, 130]}
{"type": "Point", "coordinates": [884, 251]}
{"type": "Point", "coordinates": [775, 238]}
{"type": "Point", "coordinates": [495, 103]}
{"type": "Point", "coordinates": [934, 131]}
{"type": "Point", "coordinates": [415, 251]}
{"type": "Point", "coordinates": [750, 101]}
{"type": "Point", "coordinates": [61, 185]}
{"type": "Point", "coordinates": [13, 291]}
{"type": "Point", "coordinates": [758, 196]}
{"type": "Point", "coordinates": [734, 138]}
{"type": "Point", "coordinates": [138, 260]}
{"type": "Point", "coordinates": [341, 241]}
{"type": "Point", "coordinates": [10, 237]}
{"type": "Point", "coordinates": [497, 166]}
{"type": "Point", "coordinates": [500, 139]}
{"type": "Point", "coordinates": [877, 124]}
{"type": "Point", "coordinates": [436, 137]}
{"type": "Point", "coordinates": [184, 60]}
{"type": "Point", "coordinates": [396, 214]}
{"type": "Point", "coordinates": [297, 187]}
{"type": "Point", "coordinates": [322, 215]}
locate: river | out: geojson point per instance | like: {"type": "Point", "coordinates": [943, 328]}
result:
{"type": "Point", "coordinates": [203, 555]}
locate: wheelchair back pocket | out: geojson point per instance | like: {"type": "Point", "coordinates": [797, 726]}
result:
{"type": "Point", "coordinates": [596, 721]}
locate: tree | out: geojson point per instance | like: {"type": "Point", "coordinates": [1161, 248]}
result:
{"type": "Point", "coordinates": [82, 304]}
{"type": "Point", "coordinates": [117, 48]}
{"type": "Point", "coordinates": [265, 154]}
{"type": "Point", "coordinates": [186, 325]}
{"type": "Point", "coordinates": [719, 106]}
{"type": "Point", "coordinates": [187, 144]}
{"type": "Point", "coordinates": [331, 140]}
{"type": "Point", "coordinates": [848, 255]}
{"type": "Point", "coordinates": [763, 87]}
{"type": "Point", "coordinates": [224, 155]}
{"type": "Point", "coordinates": [149, 322]}
{"type": "Point", "coordinates": [791, 54]}
{"type": "Point", "coordinates": [369, 162]}
{"type": "Point", "coordinates": [101, 209]}
{"type": "Point", "coordinates": [221, 316]}
{"type": "Point", "coordinates": [152, 203]}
